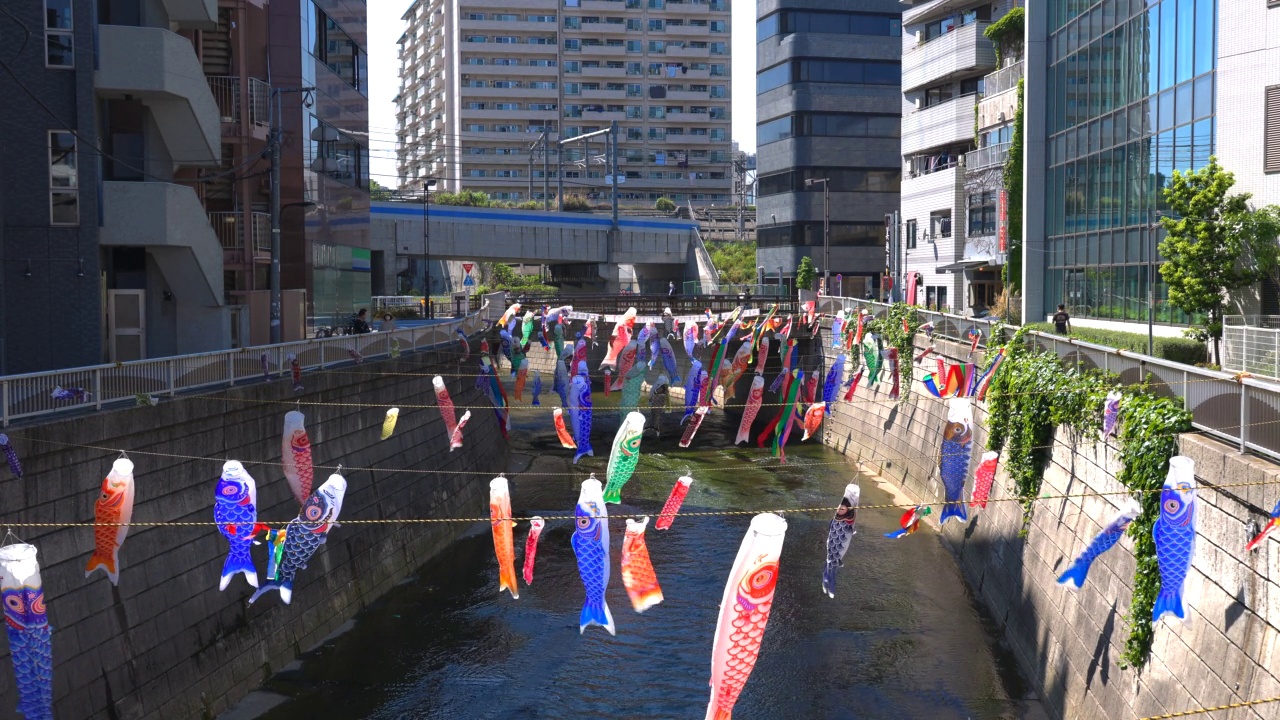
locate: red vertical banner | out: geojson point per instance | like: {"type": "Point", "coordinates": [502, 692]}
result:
{"type": "Point", "coordinates": [1002, 220]}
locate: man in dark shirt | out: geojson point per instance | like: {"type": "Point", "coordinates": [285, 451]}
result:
{"type": "Point", "coordinates": [1062, 321]}
{"type": "Point", "coordinates": [360, 323]}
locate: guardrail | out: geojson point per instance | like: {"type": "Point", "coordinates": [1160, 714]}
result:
{"type": "Point", "coordinates": [1251, 344]}
{"type": "Point", "coordinates": [93, 388]}
{"type": "Point", "coordinates": [1001, 80]}
{"type": "Point", "coordinates": [1243, 411]}
{"type": "Point", "coordinates": [988, 156]}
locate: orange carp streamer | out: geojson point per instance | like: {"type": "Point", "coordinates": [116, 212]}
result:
{"type": "Point", "coordinates": [637, 570]}
{"type": "Point", "coordinates": [503, 544]}
{"type": "Point", "coordinates": [566, 439]}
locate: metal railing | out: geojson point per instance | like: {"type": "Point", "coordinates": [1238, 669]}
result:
{"type": "Point", "coordinates": [1251, 344]}
{"type": "Point", "coordinates": [229, 227]}
{"type": "Point", "coordinates": [1243, 411]}
{"type": "Point", "coordinates": [694, 287]}
{"type": "Point", "coordinates": [987, 156]}
{"type": "Point", "coordinates": [1002, 79]}
{"type": "Point", "coordinates": [32, 395]}
{"type": "Point", "coordinates": [226, 93]}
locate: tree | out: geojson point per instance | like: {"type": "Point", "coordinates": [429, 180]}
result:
{"type": "Point", "coordinates": [378, 192]}
{"type": "Point", "coordinates": [664, 204]}
{"type": "Point", "coordinates": [735, 261]}
{"type": "Point", "coordinates": [1215, 244]}
{"type": "Point", "coordinates": [805, 274]}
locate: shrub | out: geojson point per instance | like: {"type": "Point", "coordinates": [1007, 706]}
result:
{"type": "Point", "coordinates": [1181, 350]}
{"type": "Point", "coordinates": [576, 203]}
{"type": "Point", "coordinates": [664, 204]}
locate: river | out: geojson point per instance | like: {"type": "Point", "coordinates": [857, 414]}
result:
{"type": "Point", "coordinates": [902, 638]}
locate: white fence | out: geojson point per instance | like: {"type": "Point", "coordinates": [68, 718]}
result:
{"type": "Point", "coordinates": [1251, 344]}
{"type": "Point", "coordinates": [32, 395]}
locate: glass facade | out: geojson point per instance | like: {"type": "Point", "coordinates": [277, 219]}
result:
{"type": "Point", "coordinates": [1130, 100]}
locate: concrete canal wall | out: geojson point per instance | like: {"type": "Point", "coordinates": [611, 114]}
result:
{"type": "Point", "coordinates": [1069, 644]}
{"type": "Point", "coordinates": [166, 643]}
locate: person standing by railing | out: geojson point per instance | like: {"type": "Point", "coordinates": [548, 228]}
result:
{"type": "Point", "coordinates": [388, 323]}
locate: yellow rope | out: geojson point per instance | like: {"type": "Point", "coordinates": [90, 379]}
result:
{"type": "Point", "coordinates": [1201, 711]}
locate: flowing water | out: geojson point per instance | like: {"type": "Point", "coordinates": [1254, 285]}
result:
{"type": "Point", "coordinates": [901, 639]}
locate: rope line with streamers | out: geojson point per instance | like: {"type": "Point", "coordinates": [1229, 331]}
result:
{"type": "Point", "coordinates": [1216, 708]}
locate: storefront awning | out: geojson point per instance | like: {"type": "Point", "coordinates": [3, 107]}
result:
{"type": "Point", "coordinates": [964, 265]}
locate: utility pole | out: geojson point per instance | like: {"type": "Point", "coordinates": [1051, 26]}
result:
{"type": "Point", "coordinates": [546, 177]}
{"type": "Point", "coordinates": [613, 169]}
{"type": "Point", "coordinates": [275, 141]}
{"type": "Point", "coordinates": [1150, 248]}
{"type": "Point", "coordinates": [826, 229]}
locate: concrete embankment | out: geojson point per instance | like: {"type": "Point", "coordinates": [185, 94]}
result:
{"type": "Point", "coordinates": [166, 643]}
{"type": "Point", "coordinates": [1069, 644]}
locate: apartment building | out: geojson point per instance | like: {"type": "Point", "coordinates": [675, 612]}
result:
{"type": "Point", "coordinates": [948, 223]}
{"type": "Point", "coordinates": [828, 119]}
{"type": "Point", "coordinates": [483, 80]}
{"type": "Point", "coordinates": [107, 255]}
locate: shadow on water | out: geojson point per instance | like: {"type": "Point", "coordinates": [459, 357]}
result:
{"type": "Point", "coordinates": [901, 639]}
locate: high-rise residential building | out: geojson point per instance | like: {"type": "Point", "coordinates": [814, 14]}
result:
{"type": "Point", "coordinates": [1118, 96]}
{"type": "Point", "coordinates": [483, 80]}
{"type": "Point", "coordinates": [828, 117]}
{"type": "Point", "coordinates": [948, 221]}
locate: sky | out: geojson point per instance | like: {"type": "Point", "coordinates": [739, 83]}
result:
{"type": "Point", "coordinates": [385, 28]}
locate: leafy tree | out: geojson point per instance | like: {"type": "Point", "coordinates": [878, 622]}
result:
{"type": "Point", "coordinates": [1215, 245]}
{"type": "Point", "coordinates": [734, 261]}
{"type": "Point", "coordinates": [378, 191]}
{"type": "Point", "coordinates": [805, 274]}
{"type": "Point", "coordinates": [664, 204]}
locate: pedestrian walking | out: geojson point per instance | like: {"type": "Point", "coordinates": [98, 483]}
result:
{"type": "Point", "coordinates": [1062, 320]}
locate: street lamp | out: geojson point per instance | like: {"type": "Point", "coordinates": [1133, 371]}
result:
{"type": "Point", "coordinates": [1150, 249]}
{"type": "Point", "coordinates": [826, 228]}
{"type": "Point", "coordinates": [427, 184]}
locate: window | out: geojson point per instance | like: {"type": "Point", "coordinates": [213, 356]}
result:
{"type": "Point", "coordinates": [718, 134]}
{"type": "Point", "coordinates": [473, 127]}
{"type": "Point", "coordinates": [635, 90]}
{"type": "Point", "coordinates": [718, 91]}
{"type": "Point", "coordinates": [59, 41]}
{"type": "Point", "coordinates": [718, 70]}
{"type": "Point", "coordinates": [542, 18]}
{"type": "Point", "coordinates": [838, 23]}
{"type": "Point", "coordinates": [475, 16]}
{"type": "Point", "coordinates": [475, 39]}
{"type": "Point", "coordinates": [573, 23]}
{"type": "Point", "coordinates": [846, 234]}
{"type": "Point", "coordinates": [635, 25]}
{"type": "Point", "coordinates": [64, 195]}
{"type": "Point", "coordinates": [635, 46]}
{"type": "Point", "coordinates": [572, 88]}
{"type": "Point", "coordinates": [1271, 131]}
{"type": "Point", "coordinates": [940, 224]}
{"type": "Point", "coordinates": [572, 66]}
{"type": "Point", "coordinates": [543, 84]}
{"type": "Point", "coordinates": [507, 106]}
{"type": "Point", "coordinates": [572, 44]}
{"type": "Point", "coordinates": [655, 25]}
{"type": "Point", "coordinates": [657, 46]}
{"type": "Point", "coordinates": [506, 17]}
{"type": "Point", "coordinates": [718, 26]}
{"type": "Point", "coordinates": [332, 46]}
{"type": "Point", "coordinates": [841, 180]}
{"type": "Point", "coordinates": [719, 48]}
{"type": "Point", "coordinates": [982, 213]}
{"type": "Point", "coordinates": [635, 68]}
{"type": "Point", "coordinates": [911, 234]}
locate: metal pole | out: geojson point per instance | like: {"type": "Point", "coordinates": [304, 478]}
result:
{"type": "Point", "coordinates": [546, 177]}
{"type": "Point", "coordinates": [1151, 288]}
{"type": "Point", "coordinates": [276, 299]}
{"type": "Point", "coordinates": [560, 177]}
{"type": "Point", "coordinates": [426, 244]}
{"type": "Point", "coordinates": [826, 236]}
{"type": "Point", "coordinates": [613, 146]}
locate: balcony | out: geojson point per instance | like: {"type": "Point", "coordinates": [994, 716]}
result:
{"type": "Point", "coordinates": [230, 228]}
{"type": "Point", "coordinates": [688, 30]}
{"type": "Point", "coordinates": [961, 51]}
{"type": "Point", "coordinates": [983, 158]}
{"type": "Point", "coordinates": [943, 124]}
{"type": "Point", "coordinates": [169, 221]}
{"type": "Point", "coordinates": [192, 14]}
{"type": "Point", "coordinates": [226, 93]}
{"type": "Point", "coordinates": [160, 68]}
{"type": "Point", "coordinates": [1000, 102]}
{"type": "Point", "coordinates": [687, 52]}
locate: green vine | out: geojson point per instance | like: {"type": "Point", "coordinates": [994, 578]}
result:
{"type": "Point", "coordinates": [1148, 436]}
{"type": "Point", "coordinates": [1013, 186]}
{"type": "Point", "coordinates": [1007, 34]}
{"type": "Point", "coordinates": [891, 332]}
{"type": "Point", "coordinates": [1031, 396]}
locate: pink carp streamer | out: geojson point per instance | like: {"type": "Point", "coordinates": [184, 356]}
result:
{"type": "Point", "coordinates": [295, 456]}
{"type": "Point", "coordinates": [447, 413]}
{"type": "Point", "coordinates": [744, 612]}
{"type": "Point", "coordinates": [892, 355]}
{"type": "Point", "coordinates": [522, 375]}
{"type": "Point", "coordinates": [754, 400]}
{"type": "Point", "coordinates": [982, 479]}
{"type": "Point", "coordinates": [763, 354]}
{"type": "Point", "coordinates": [674, 501]}
{"type": "Point", "coordinates": [638, 576]}
{"type": "Point", "coordinates": [536, 524]}
{"type": "Point", "coordinates": [621, 336]}
{"type": "Point", "coordinates": [694, 422]}
{"type": "Point", "coordinates": [455, 437]}
{"type": "Point", "coordinates": [626, 361]}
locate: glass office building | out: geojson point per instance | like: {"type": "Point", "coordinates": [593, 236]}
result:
{"type": "Point", "coordinates": [1129, 99]}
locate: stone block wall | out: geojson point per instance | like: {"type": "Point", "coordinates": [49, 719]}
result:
{"type": "Point", "coordinates": [1068, 644]}
{"type": "Point", "coordinates": [166, 643]}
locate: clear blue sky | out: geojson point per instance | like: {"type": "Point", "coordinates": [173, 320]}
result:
{"type": "Point", "coordinates": [385, 29]}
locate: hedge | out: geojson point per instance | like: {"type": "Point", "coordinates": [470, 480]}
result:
{"type": "Point", "coordinates": [1182, 350]}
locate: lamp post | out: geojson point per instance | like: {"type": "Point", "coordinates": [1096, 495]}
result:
{"type": "Point", "coordinates": [427, 184]}
{"type": "Point", "coordinates": [1150, 248]}
{"type": "Point", "coordinates": [826, 228]}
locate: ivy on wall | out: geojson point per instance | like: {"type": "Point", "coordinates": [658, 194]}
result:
{"type": "Point", "coordinates": [891, 331]}
{"type": "Point", "coordinates": [1013, 186]}
{"type": "Point", "coordinates": [1031, 396]}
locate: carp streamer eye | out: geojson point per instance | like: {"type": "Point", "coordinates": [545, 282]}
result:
{"type": "Point", "coordinates": [1172, 506]}
{"type": "Point", "coordinates": [314, 512]}
{"type": "Point", "coordinates": [14, 603]}
{"type": "Point", "coordinates": [584, 522]}
{"type": "Point", "coordinates": [229, 489]}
